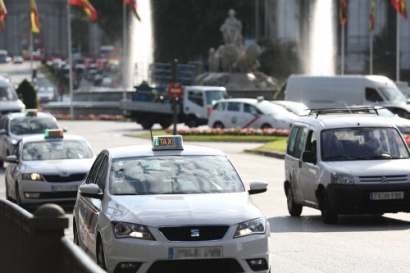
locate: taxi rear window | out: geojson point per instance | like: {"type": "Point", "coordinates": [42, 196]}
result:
{"type": "Point", "coordinates": [56, 150]}
{"type": "Point", "coordinates": [26, 126]}
{"type": "Point", "coordinates": [173, 175]}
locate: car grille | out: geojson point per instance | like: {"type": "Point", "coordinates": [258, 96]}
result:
{"type": "Point", "coordinates": [383, 179]}
{"type": "Point", "coordinates": [197, 266]}
{"type": "Point", "coordinates": [204, 233]}
{"type": "Point", "coordinates": [63, 179]}
{"type": "Point", "coordinates": [58, 195]}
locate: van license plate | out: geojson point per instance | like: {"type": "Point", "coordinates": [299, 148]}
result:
{"type": "Point", "coordinates": [386, 195]}
{"type": "Point", "coordinates": [176, 253]}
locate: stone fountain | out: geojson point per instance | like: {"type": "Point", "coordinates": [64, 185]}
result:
{"type": "Point", "coordinates": [235, 66]}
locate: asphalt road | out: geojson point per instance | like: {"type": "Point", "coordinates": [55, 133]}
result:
{"type": "Point", "coordinates": [299, 244]}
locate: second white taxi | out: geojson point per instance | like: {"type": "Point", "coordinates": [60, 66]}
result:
{"type": "Point", "coordinates": [47, 168]}
{"type": "Point", "coordinates": [170, 207]}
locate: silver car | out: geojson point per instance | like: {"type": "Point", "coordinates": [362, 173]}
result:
{"type": "Point", "coordinates": [47, 168]}
{"type": "Point", "coordinates": [14, 126]}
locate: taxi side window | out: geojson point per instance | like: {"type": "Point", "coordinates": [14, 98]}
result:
{"type": "Point", "coordinates": [311, 142]}
{"type": "Point", "coordinates": [219, 106]}
{"type": "Point", "coordinates": [102, 173]}
{"type": "Point", "coordinates": [295, 142]}
{"type": "Point", "coordinates": [248, 108]}
{"type": "Point", "coordinates": [94, 169]}
{"type": "Point", "coordinates": [234, 106]}
{"type": "Point", "coordinates": [3, 123]}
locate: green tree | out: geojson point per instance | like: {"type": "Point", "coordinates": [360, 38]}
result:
{"type": "Point", "coordinates": [278, 59]}
{"type": "Point", "coordinates": [187, 29]}
{"type": "Point", "coordinates": [28, 94]}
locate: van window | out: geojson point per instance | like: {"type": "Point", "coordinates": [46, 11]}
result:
{"type": "Point", "coordinates": [234, 106]}
{"type": "Point", "coordinates": [295, 144]}
{"type": "Point", "coordinates": [372, 95]}
{"type": "Point", "coordinates": [392, 94]}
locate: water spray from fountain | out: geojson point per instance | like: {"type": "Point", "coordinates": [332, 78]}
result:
{"type": "Point", "coordinates": [140, 46]}
{"type": "Point", "coordinates": [322, 49]}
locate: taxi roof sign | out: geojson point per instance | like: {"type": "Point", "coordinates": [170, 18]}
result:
{"type": "Point", "coordinates": [31, 112]}
{"type": "Point", "coordinates": [53, 133]}
{"type": "Point", "coordinates": [173, 142]}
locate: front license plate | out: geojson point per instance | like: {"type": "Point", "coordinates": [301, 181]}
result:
{"type": "Point", "coordinates": [178, 253]}
{"type": "Point", "coordinates": [64, 188]}
{"type": "Point", "coordinates": [386, 195]}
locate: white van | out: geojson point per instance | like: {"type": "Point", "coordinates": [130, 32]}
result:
{"type": "Point", "coordinates": [342, 90]}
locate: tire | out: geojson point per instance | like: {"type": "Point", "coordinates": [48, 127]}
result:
{"type": "Point", "coordinates": [100, 255]}
{"type": "Point", "coordinates": [75, 233]}
{"type": "Point", "coordinates": [7, 191]}
{"type": "Point", "coordinates": [266, 126]}
{"type": "Point", "coordinates": [165, 124]}
{"type": "Point", "coordinates": [147, 124]}
{"type": "Point", "coordinates": [328, 217]}
{"type": "Point", "coordinates": [293, 208]}
{"type": "Point", "coordinates": [191, 122]}
{"type": "Point", "coordinates": [218, 125]}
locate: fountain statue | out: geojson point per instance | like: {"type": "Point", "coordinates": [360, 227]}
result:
{"type": "Point", "coordinates": [233, 65]}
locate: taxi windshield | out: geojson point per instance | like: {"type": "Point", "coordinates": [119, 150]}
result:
{"type": "Point", "coordinates": [56, 149]}
{"type": "Point", "coordinates": [173, 175]}
{"type": "Point", "coordinates": [26, 126]}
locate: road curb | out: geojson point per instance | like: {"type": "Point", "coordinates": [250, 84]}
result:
{"type": "Point", "coordinates": [266, 153]}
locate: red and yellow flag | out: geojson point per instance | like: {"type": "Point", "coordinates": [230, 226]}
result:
{"type": "Point", "coordinates": [342, 12]}
{"type": "Point", "coordinates": [3, 12]}
{"type": "Point", "coordinates": [133, 4]}
{"type": "Point", "coordinates": [35, 24]}
{"type": "Point", "coordinates": [88, 8]}
{"type": "Point", "coordinates": [371, 16]}
{"type": "Point", "coordinates": [400, 6]}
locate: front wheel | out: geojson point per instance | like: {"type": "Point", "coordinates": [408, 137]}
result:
{"type": "Point", "coordinates": [101, 255]}
{"type": "Point", "coordinates": [293, 208]}
{"type": "Point", "coordinates": [218, 125]}
{"type": "Point", "coordinates": [266, 126]}
{"type": "Point", "coordinates": [328, 216]}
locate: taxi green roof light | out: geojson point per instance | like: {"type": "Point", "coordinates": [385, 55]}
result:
{"type": "Point", "coordinates": [173, 142]}
{"type": "Point", "coordinates": [55, 133]}
{"type": "Point", "coordinates": [31, 112]}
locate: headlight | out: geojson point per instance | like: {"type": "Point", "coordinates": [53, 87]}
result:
{"type": "Point", "coordinates": [341, 178]}
{"type": "Point", "coordinates": [32, 176]}
{"type": "Point", "coordinates": [128, 230]}
{"type": "Point", "coordinates": [250, 227]}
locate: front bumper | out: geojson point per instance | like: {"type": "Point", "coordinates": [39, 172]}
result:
{"type": "Point", "coordinates": [48, 192]}
{"type": "Point", "coordinates": [154, 256]}
{"type": "Point", "coordinates": [355, 199]}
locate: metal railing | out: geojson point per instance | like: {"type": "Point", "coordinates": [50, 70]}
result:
{"type": "Point", "coordinates": [34, 243]}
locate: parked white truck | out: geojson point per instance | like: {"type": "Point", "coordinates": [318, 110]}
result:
{"type": "Point", "coordinates": [342, 90]}
{"type": "Point", "coordinates": [149, 106]}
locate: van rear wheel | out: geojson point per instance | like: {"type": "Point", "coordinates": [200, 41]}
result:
{"type": "Point", "coordinates": [293, 208]}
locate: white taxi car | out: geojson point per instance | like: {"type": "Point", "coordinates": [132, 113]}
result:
{"type": "Point", "coordinates": [170, 207]}
{"type": "Point", "coordinates": [47, 168]}
{"type": "Point", "coordinates": [249, 113]}
{"type": "Point", "coordinates": [346, 161]}
{"type": "Point", "coordinates": [15, 126]}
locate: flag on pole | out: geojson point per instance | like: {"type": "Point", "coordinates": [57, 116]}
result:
{"type": "Point", "coordinates": [342, 12]}
{"type": "Point", "coordinates": [133, 4]}
{"type": "Point", "coordinates": [400, 6]}
{"type": "Point", "coordinates": [371, 16]}
{"type": "Point", "coordinates": [88, 8]}
{"type": "Point", "coordinates": [3, 12]}
{"type": "Point", "coordinates": [35, 25]}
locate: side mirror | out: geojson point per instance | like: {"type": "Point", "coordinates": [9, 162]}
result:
{"type": "Point", "coordinates": [309, 156]}
{"type": "Point", "coordinates": [12, 159]}
{"type": "Point", "coordinates": [257, 187]}
{"type": "Point", "coordinates": [90, 190]}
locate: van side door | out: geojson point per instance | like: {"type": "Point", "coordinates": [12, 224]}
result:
{"type": "Point", "coordinates": [309, 171]}
{"type": "Point", "coordinates": [293, 161]}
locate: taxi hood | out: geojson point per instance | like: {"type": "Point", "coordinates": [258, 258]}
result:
{"type": "Point", "coordinates": [187, 209]}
